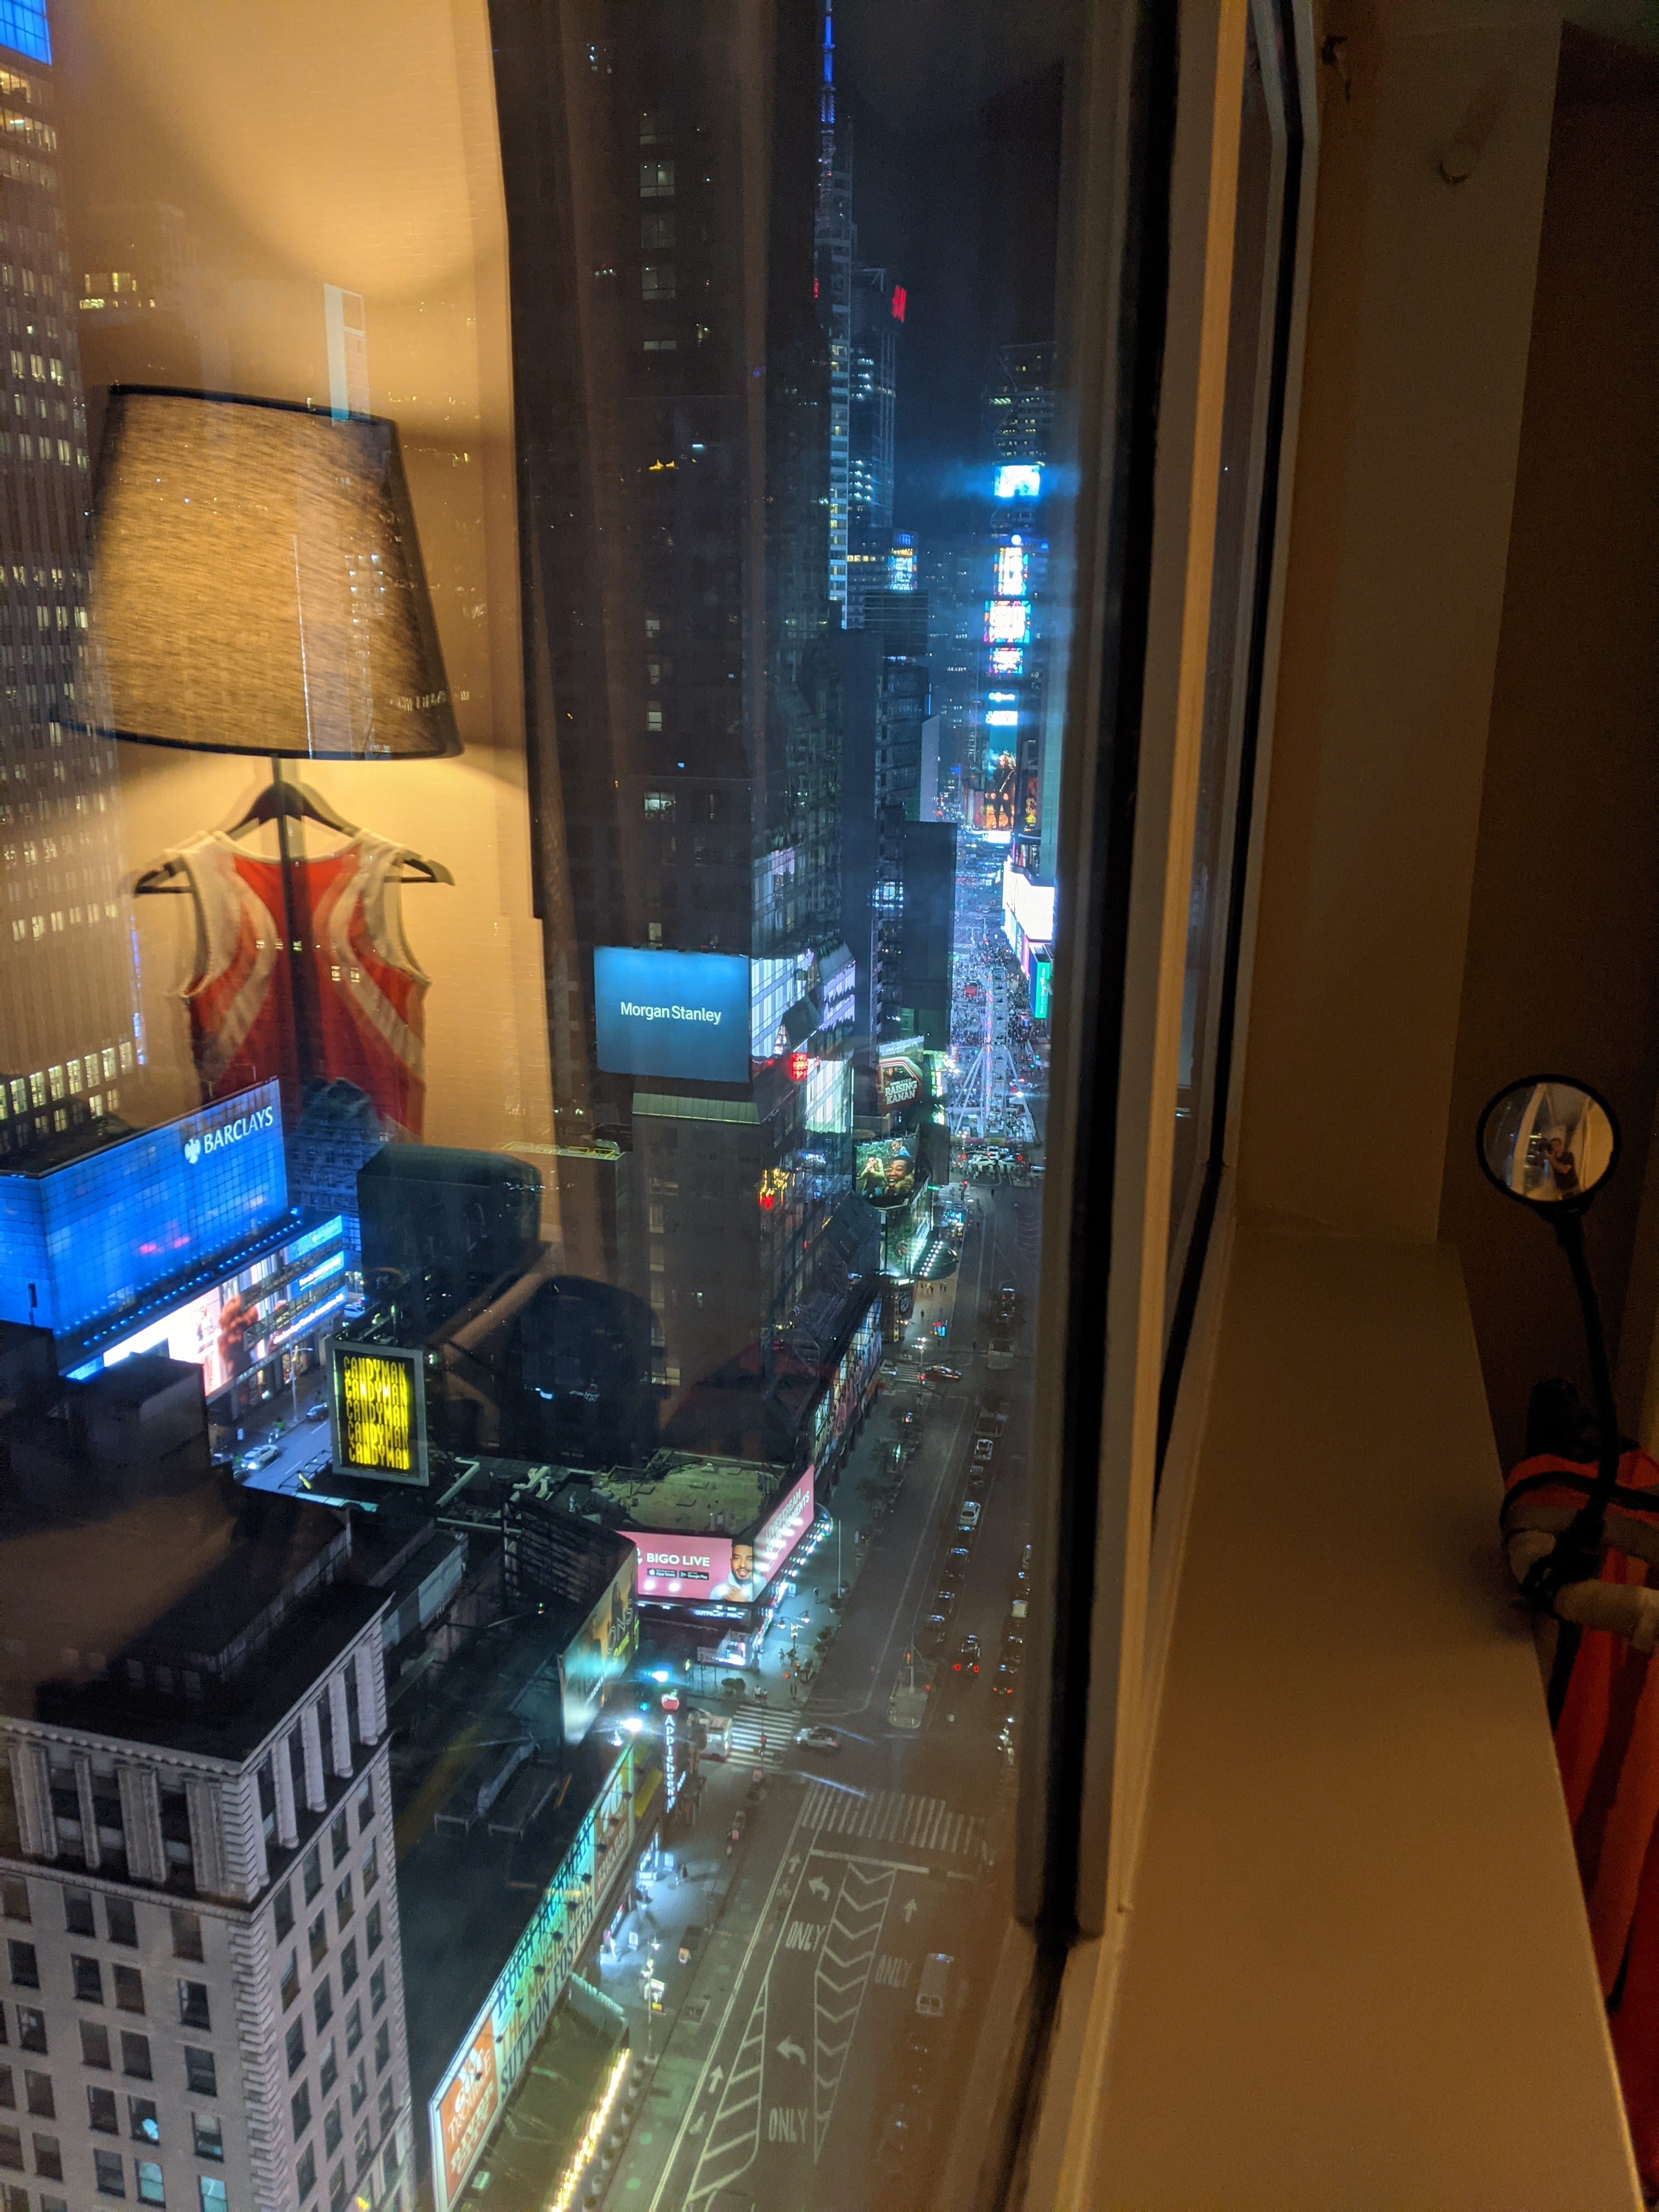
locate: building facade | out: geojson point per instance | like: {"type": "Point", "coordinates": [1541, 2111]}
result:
{"type": "Point", "coordinates": [204, 1987]}
{"type": "Point", "coordinates": [71, 1041]}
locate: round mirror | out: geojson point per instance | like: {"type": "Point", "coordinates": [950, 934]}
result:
{"type": "Point", "coordinates": [1549, 1141]}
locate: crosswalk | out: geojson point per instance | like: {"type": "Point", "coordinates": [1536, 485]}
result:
{"type": "Point", "coordinates": [759, 1740]}
{"type": "Point", "coordinates": [895, 1817]}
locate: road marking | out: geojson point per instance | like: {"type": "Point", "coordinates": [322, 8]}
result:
{"type": "Point", "coordinates": [789, 1864]}
{"type": "Point", "coordinates": [842, 1975]}
{"type": "Point", "coordinates": [893, 1816]}
{"type": "Point", "coordinates": [733, 2136]}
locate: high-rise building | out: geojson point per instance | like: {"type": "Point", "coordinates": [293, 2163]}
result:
{"type": "Point", "coordinates": [879, 310]}
{"type": "Point", "coordinates": [833, 247]}
{"type": "Point", "coordinates": [1019, 407]}
{"type": "Point", "coordinates": [70, 1037]}
{"type": "Point", "coordinates": [675, 392]}
{"type": "Point", "coordinates": [204, 2003]}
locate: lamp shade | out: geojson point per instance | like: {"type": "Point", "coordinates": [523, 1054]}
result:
{"type": "Point", "coordinates": [257, 584]}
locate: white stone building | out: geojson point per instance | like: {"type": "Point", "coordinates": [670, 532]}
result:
{"type": "Point", "coordinates": [201, 1991]}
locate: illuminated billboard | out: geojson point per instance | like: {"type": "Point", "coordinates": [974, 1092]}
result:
{"type": "Point", "coordinates": [900, 1081]}
{"type": "Point", "coordinates": [1007, 622]}
{"type": "Point", "coordinates": [684, 1015]}
{"type": "Point", "coordinates": [885, 1173]}
{"type": "Point", "coordinates": [377, 1411]}
{"type": "Point", "coordinates": [474, 2088]}
{"type": "Point", "coordinates": [1007, 661]}
{"type": "Point", "coordinates": [722, 1569]}
{"type": "Point", "coordinates": [1010, 570]}
{"type": "Point", "coordinates": [467, 2110]}
{"type": "Point", "coordinates": [598, 1653]}
{"type": "Point", "coordinates": [1018, 480]}
{"type": "Point", "coordinates": [676, 1565]}
{"type": "Point", "coordinates": [83, 1243]}
{"type": "Point", "coordinates": [253, 1315]}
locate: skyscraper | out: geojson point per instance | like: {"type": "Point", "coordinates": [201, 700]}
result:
{"type": "Point", "coordinates": [879, 311]}
{"type": "Point", "coordinates": [198, 1868]}
{"type": "Point", "coordinates": [675, 397]}
{"type": "Point", "coordinates": [70, 1040]}
{"type": "Point", "coordinates": [832, 288]}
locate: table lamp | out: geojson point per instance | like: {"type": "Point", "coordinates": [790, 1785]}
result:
{"type": "Point", "coordinates": [257, 587]}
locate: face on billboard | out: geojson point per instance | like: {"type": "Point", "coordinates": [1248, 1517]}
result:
{"type": "Point", "coordinates": [885, 1173]}
{"type": "Point", "coordinates": [673, 1565]}
{"type": "Point", "coordinates": [684, 1015]}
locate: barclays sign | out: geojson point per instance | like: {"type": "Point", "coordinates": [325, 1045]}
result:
{"type": "Point", "coordinates": [203, 1145]}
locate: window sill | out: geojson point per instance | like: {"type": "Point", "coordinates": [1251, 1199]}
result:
{"type": "Point", "coordinates": [1356, 1968]}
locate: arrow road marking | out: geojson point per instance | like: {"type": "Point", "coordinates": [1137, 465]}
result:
{"type": "Point", "coordinates": [818, 1886]}
{"type": "Point", "coordinates": [790, 2049]}
{"type": "Point", "coordinates": [910, 1909]}
{"type": "Point", "coordinates": [845, 1958]}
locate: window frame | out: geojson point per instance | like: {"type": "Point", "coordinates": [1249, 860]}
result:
{"type": "Point", "coordinates": [1156, 169]}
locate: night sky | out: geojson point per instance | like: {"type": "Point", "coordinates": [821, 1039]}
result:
{"type": "Point", "coordinates": [956, 111]}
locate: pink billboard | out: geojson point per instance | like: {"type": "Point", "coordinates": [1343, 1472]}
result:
{"type": "Point", "coordinates": [723, 1569]}
{"type": "Point", "coordinates": [782, 1530]}
{"type": "Point", "coordinates": [673, 1565]}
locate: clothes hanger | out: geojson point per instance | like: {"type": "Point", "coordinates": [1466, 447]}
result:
{"type": "Point", "coordinates": [287, 797]}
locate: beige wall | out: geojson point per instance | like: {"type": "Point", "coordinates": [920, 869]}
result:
{"type": "Point", "coordinates": [352, 144]}
{"type": "Point", "coordinates": [1418, 326]}
{"type": "Point", "coordinates": [1563, 962]}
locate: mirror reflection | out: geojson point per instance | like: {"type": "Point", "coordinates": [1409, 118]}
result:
{"type": "Point", "coordinates": [1548, 1141]}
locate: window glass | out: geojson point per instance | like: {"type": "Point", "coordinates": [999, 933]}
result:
{"type": "Point", "coordinates": [537, 552]}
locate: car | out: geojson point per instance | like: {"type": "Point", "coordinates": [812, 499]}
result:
{"type": "Point", "coordinates": [1006, 1736]}
{"type": "Point", "coordinates": [257, 1456]}
{"type": "Point", "coordinates": [967, 1659]}
{"type": "Point", "coordinates": [318, 1412]}
{"type": "Point", "coordinates": [955, 1562]}
{"type": "Point", "coordinates": [944, 1600]}
{"type": "Point", "coordinates": [978, 1477]}
{"type": "Point", "coordinates": [691, 1936]}
{"type": "Point", "coordinates": [941, 1375]}
{"type": "Point", "coordinates": [932, 1633]}
{"type": "Point", "coordinates": [1007, 1674]}
{"type": "Point", "coordinates": [968, 1519]}
{"type": "Point", "coordinates": [983, 1448]}
{"type": "Point", "coordinates": [817, 1739]}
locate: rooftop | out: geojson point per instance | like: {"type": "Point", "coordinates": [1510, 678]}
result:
{"type": "Point", "coordinates": [204, 1581]}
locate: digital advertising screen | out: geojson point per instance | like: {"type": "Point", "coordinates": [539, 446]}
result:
{"type": "Point", "coordinates": [779, 1534]}
{"type": "Point", "coordinates": [885, 1173]}
{"type": "Point", "coordinates": [684, 1015]}
{"type": "Point", "coordinates": [598, 1653]}
{"type": "Point", "coordinates": [377, 1411]}
{"type": "Point", "coordinates": [676, 1565]}
{"type": "Point", "coordinates": [239, 1323]}
{"type": "Point", "coordinates": [84, 1242]}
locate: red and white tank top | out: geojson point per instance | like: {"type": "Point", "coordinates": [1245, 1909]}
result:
{"type": "Point", "coordinates": [368, 995]}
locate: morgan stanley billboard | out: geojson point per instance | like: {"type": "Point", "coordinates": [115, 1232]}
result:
{"type": "Point", "coordinates": [684, 1015]}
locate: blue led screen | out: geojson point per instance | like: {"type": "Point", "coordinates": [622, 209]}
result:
{"type": "Point", "coordinates": [93, 1237]}
{"type": "Point", "coordinates": [683, 1015]}
{"type": "Point", "coordinates": [23, 28]}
